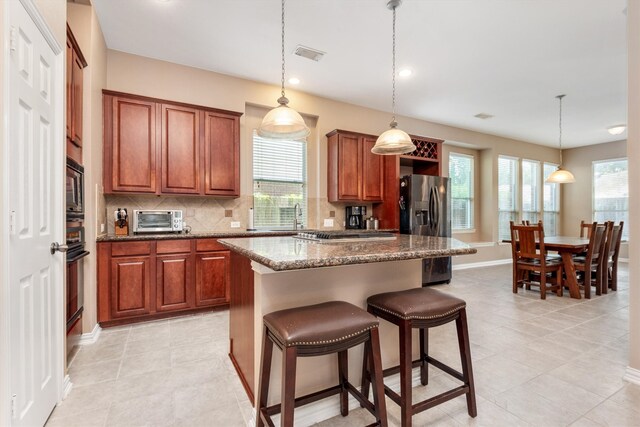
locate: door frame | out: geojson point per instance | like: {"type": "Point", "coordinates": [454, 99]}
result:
{"type": "Point", "coordinates": [58, 154]}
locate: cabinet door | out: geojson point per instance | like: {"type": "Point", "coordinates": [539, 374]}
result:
{"type": "Point", "coordinates": [76, 91]}
{"type": "Point", "coordinates": [68, 88]}
{"type": "Point", "coordinates": [372, 172]}
{"type": "Point", "coordinates": [133, 145]}
{"type": "Point", "coordinates": [180, 150]}
{"type": "Point", "coordinates": [130, 286]}
{"type": "Point", "coordinates": [212, 278]}
{"type": "Point", "coordinates": [222, 154]}
{"type": "Point", "coordinates": [349, 167]}
{"type": "Point", "coordinates": [174, 282]}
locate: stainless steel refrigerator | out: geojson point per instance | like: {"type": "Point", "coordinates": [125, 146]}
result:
{"type": "Point", "coordinates": [425, 209]}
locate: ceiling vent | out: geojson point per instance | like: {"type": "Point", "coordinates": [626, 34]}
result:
{"type": "Point", "coordinates": [309, 53]}
{"type": "Point", "coordinates": [483, 116]}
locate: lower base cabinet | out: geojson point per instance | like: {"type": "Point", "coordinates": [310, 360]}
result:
{"type": "Point", "coordinates": [141, 280]}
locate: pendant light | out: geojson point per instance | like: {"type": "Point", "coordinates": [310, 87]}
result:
{"type": "Point", "coordinates": [561, 176]}
{"type": "Point", "coordinates": [283, 122]}
{"type": "Point", "coordinates": [394, 140]}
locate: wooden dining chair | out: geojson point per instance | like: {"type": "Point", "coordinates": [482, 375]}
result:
{"type": "Point", "coordinates": [529, 256]}
{"type": "Point", "coordinates": [611, 254]}
{"type": "Point", "coordinates": [585, 229]}
{"type": "Point", "coordinates": [592, 261]}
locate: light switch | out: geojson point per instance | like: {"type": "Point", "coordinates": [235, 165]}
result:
{"type": "Point", "coordinates": [102, 228]}
{"type": "Point", "coordinates": [235, 224]}
{"type": "Point", "coordinates": [328, 222]}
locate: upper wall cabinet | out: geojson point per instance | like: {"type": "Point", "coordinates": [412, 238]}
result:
{"type": "Point", "coordinates": [161, 147]}
{"type": "Point", "coordinates": [75, 65]}
{"type": "Point", "coordinates": [354, 173]}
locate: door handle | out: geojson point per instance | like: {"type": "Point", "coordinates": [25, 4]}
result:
{"type": "Point", "coordinates": [55, 246]}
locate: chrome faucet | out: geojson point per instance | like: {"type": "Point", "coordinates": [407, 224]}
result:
{"type": "Point", "coordinates": [297, 212]}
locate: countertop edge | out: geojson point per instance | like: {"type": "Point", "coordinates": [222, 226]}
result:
{"type": "Point", "coordinates": [335, 262]}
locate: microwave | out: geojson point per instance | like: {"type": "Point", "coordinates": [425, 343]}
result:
{"type": "Point", "coordinates": [156, 221]}
{"type": "Point", "coordinates": [74, 190]}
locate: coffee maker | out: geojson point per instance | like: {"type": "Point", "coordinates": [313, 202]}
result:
{"type": "Point", "coordinates": [355, 217]}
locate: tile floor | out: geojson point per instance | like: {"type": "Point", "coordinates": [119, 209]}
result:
{"type": "Point", "coordinates": [557, 362]}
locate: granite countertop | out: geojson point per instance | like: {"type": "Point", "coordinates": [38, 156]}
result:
{"type": "Point", "coordinates": [208, 235]}
{"type": "Point", "coordinates": [288, 253]}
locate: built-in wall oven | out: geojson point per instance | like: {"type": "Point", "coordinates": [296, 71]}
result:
{"type": "Point", "coordinates": [75, 242]}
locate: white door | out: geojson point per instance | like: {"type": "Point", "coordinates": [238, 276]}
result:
{"type": "Point", "coordinates": [35, 175]}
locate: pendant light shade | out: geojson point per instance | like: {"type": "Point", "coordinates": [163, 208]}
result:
{"type": "Point", "coordinates": [283, 122]}
{"type": "Point", "coordinates": [393, 141]}
{"type": "Point", "coordinates": [560, 176]}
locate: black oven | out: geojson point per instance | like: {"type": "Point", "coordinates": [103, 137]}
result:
{"type": "Point", "coordinates": [75, 272]}
{"type": "Point", "coordinates": [75, 190]}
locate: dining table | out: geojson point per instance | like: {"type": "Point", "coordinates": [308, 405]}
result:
{"type": "Point", "coordinates": [566, 246]}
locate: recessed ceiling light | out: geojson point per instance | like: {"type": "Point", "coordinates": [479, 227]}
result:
{"type": "Point", "coordinates": [294, 80]}
{"type": "Point", "coordinates": [405, 72]}
{"type": "Point", "coordinates": [617, 129]}
{"type": "Point", "coordinates": [483, 116]}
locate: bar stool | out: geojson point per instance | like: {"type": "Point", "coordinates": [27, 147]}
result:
{"type": "Point", "coordinates": [316, 330]}
{"type": "Point", "coordinates": [422, 308]}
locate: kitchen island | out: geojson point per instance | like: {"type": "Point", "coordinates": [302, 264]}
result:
{"type": "Point", "coordinates": [274, 273]}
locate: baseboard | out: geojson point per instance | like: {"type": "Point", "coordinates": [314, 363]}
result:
{"type": "Point", "coordinates": [324, 409]}
{"type": "Point", "coordinates": [482, 264]}
{"type": "Point", "coordinates": [91, 337]}
{"type": "Point", "coordinates": [632, 375]}
{"type": "Point", "coordinates": [67, 385]}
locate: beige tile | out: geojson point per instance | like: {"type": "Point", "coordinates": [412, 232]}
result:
{"type": "Point", "coordinates": [98, 352]}
{"type": "Point", "coordinates": [596, 375]}
{"type": "Point", "coordinates": [572, 396]}
{"type": "Point", "coordinates": [131, 387]}
{"type": "Point", "coordinates": [192, 353]}
{"type": "Point", "coordinates": [198, 400]}
{"type": "Point", "coordinates": [141, 332]}
{"type": "Point", "coordinates": [586, 422]}
{"type": "Point", "coordinates": [145, 362]}
{"type": "Point", "coordinates": [609, 413]}
{"type": "Point", "coordinates": [628, 396]}
{"type": "Point", "coordinates": [83, 399]}
{"type": "Point", "coordinates": [84, 374]}
{"type": "Point", "coordinates": [147, 410]}
{"type": "Point", "coordinates": [146, 344]}
{"type": "Point", "coordinates": [96, 418]}
{"type": "Point", "coordinates": [535, 409]}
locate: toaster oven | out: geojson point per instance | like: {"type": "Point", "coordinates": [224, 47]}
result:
{"type": "Point", "coordinates": [157, 221]}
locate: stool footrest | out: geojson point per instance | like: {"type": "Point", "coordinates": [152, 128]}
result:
{"type": "Point", "coordinates": [449, 370]}
{"type": "Point", "coordinates": [395, 369]}
{"type": "Point", "coordinates": [441, 398]}
{"type": "Point", "coordinates": [309, 398]}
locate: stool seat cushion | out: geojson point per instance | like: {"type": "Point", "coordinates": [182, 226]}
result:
{"type": "Point", "coordinates": [319, 324]}
{"type": "Point", "coordinates": [420, 303]}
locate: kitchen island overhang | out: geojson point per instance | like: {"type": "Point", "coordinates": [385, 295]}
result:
{"type": "Point", "coordinates": [274, 273]}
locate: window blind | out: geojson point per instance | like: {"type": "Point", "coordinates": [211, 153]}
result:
{"type": "Point", "coordinates": [507, 196]}
{"type": "Point", "coordinates": [461, 175]}
{"type": "Point", "coordinates": [279, 182]}
{"type": "Point", "coordinates": [611, 192]}
{"type": "Point", "coordinates": [530, 190]}
{"type": "Point", "coordinates": [550, 202]}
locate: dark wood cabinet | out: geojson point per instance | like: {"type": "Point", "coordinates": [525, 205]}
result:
{"type": "Point", "coordinates": [212, 278]}
{"type": "Point", "coordinates": [130, 286]}
{"type": "Point", "coordinates": [180, 149]}
{"type": "Point", "coordinates": [131, 148]}
{"type": "Point", "coordinates": [141, 280]}
{"type": "Point", "coordinates": [174, 282]}
{"type": "Point", "coordinates": [163, 147]}
{"type": "Point", "coordinates": [222, 154]}
{"type": "Point", "coordinates": [74, 91]}
{"type": "Point", "coordinates": [354, 173]}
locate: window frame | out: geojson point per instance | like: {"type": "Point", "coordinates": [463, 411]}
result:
{"type": "Point", "coordinates": [517, 193]}
{"type": "Point", "coordinates": [471, 228]}
{"type": "Point", "coordinates": [558, 188]}
{"type": "Point", "coordinates": [625, 230]}
{"type": "Point", "coordinates": [538, 196]}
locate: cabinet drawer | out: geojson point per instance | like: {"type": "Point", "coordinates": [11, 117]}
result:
{"type": "Point", "coordinates": [130, 248]}
{"type": "Point", "coordinates": [209, 245]}
{"type": "Point", "coordinates": [173, 246]}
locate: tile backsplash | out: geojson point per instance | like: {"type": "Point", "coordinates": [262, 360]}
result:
{"type": "Point", "coordinates": [204, 214]}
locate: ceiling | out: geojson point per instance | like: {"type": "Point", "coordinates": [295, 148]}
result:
{"type": "Point", "coordinates": [501, 57]}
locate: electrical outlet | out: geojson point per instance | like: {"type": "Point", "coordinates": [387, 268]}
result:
{"type": "Point", "coordinates": [102, 228]}
{"type": "Point", "coordinates": [328, 222]}
{"type": "Point", "coordinates": [235, 224]}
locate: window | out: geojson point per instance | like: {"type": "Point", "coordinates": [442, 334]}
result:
{"type": "Point", "coordinates": [461, 175]}
{"type": "Point", "coordinates": [279, 182]}
{"type": "Point", "coordinates": [611, 192]}
{"type": "Point", "coordinates": [530, 190]}
{"type": "Point", "coordinates": [550, 202]}
{"type": "Point", "coordinates": [507, 191]}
